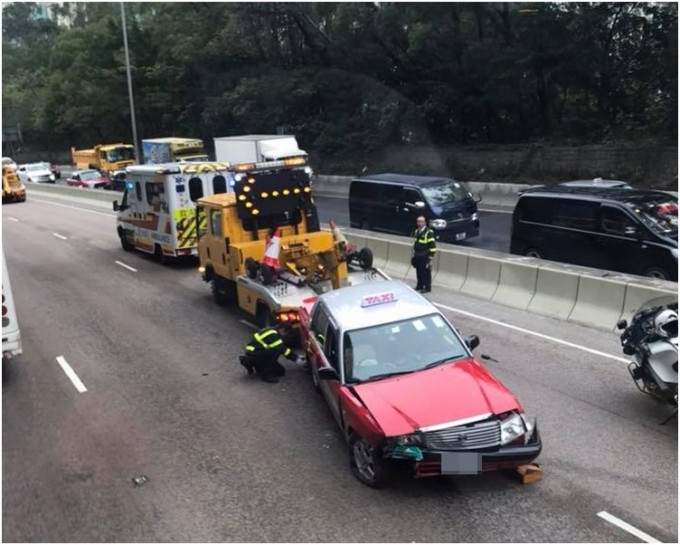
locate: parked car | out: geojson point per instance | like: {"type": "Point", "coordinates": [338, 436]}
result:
{"type": "Point", "coordinates": [9, 162]}
{"type": "Point", "coordinates": [391, 203]}
{"type": "Point", "coordinates": [405, 389]}
{"type": "Point", "coordinates": [92, 179]}
{"type": "Point", "coordinates": [627, 230]}
{"type": "Point", "coordinates": [598, 182]}
{"type": "Point", "coordinates": [36, 172]}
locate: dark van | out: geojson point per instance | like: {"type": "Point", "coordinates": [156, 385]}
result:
{"type": "Point", "coordinates": [391, 203]}
{"type": "Point", "coordinates": [626, 230]}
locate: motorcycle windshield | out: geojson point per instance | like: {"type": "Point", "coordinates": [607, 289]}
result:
{"type": "Point", "coordinates": [669, 301]}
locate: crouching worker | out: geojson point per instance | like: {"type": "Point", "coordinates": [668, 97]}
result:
{"type": "Point", "coordinates": [263, 351]}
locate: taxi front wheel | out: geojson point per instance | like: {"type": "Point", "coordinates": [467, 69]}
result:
{"type": "Point", "coordinates": [367, 465]}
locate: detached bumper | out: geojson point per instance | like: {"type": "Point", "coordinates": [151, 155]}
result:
{"type": "Point", "coordinates": [435, 463]}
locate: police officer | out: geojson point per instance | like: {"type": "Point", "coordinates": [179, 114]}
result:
{"type": "Point", "coordinates": [263, 351]}
{"type": "Point", "coordinates": [424, 248]}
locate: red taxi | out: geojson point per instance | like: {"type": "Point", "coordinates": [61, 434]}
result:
{"type": "Point", "coordinates": [404, 388]}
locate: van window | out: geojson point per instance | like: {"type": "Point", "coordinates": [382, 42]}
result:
{"type": "Point", "coordinates": [445, 191]}
{"type": "Point", "coordinates": [411, 196]}
{"type": "Point", "coordinates": [219, 184]}
{"type": "Point", "coordinates": [195, 188]}
{"type": "Point", "coordinates": [615, 221]}
{"type": "Point", "coordinates": [216, 222]}
{"type": "Point", "coordinates": [154, 191]}
{"type": "Point", "coordinates": [535, 210]}
{"type": "Point", "coordinates": [387, 193]}
{"type": "Point", "coordinates": [575, 214]}
{"type": "Point", "coordinates": [138, 191]}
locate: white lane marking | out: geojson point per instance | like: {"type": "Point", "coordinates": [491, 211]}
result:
{"type": "Point", "coordinates": [10, 218]}
{"type": "Point", "coordinates": [62, 237]}
{"type": "Point", "coordinates": [74, 208]}
{"type": "Point", "coordinates": [249, 324]}
{"type": "Point", "coordinates": [126, 266]}
{"type": "Point", "coordinates": [70, 373]}
{"type": "Point", "coordinates": [534, 333]}
{"type": "Point", "coordinates": [627, 527]}
{"type": "Point", "coordinates": [495, 211]}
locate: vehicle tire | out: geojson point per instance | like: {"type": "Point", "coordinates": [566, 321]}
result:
{"type": "Point", "coordinates": [222, 291]}
{"type": "Point", "coordinates": [264, 317]}
{"type": "Point", "coordinates": [657, 272]}
{"type": "Point", "coordinates": [251, 268]}
{"type": "Point", "coordinates": [366, 465]}
{"type": "Point", "coordinates": [366, 258]}
{"type": "Point", "coordinates": [124, 241]}
{"type": "Point", "coordinates": [365, 226]}
{"type": "Point", "coordinates": [535, 253]}
{"type": "Point", "coordinates": [159, 255]}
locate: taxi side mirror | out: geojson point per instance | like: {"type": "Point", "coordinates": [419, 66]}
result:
{"type": "Point", "coordinates": [328, 373]}
{"type": "Point", "coordinates": [472, 342]}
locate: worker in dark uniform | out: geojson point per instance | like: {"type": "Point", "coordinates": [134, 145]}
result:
{"type": "Point", "coordinates": [263, 351]}
{"type": "Point", "coordinates": [424, 248]}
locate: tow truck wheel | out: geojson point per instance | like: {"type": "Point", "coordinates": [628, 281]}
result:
{"type": "Point", "coordinates": [366, 464]}
{"type": "Point", "coordinates": [366, 258]}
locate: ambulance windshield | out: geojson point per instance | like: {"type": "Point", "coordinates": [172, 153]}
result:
{"type": "Point", "coordinates": [400, 347]}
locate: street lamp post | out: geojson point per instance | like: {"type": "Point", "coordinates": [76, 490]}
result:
{"type": "Point", "coordinates": [129, 81]}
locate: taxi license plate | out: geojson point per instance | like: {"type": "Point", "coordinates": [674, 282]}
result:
{"type": "Point", "coordinates": [461, 463]}
{"type": "Point", "coordinates": [460, 236]}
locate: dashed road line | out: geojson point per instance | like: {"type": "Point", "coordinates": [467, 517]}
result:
{"type": "Point", "coordinates": [62, 237]}
{"type": "Point", "coordinates": [10, 218]}
{"type": "Point", "coordinates": [534, 333]}
{"type": "Point", "coordinates": [74, 208]}
{"type": "Point", "coordinates": [249, 324]}
{"type": "Point", "coordinates": [627, 527]}
{"type": "Point", "coordinates": [126, 266]}
{"type": "Point", "coordinates": [71, 374]}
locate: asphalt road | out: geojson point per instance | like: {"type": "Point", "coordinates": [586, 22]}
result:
{"type": "Point", "coordinates": [234, 459]}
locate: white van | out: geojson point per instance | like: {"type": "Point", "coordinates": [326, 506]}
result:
{"type": "Point", "coordinates": [157, 215]}
{"type": "Point", "coordinates": [11, 335]}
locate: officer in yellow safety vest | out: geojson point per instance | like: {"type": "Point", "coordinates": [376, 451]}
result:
{"type": "Point", "coordinates": [424, 248]}
{"type": "Point", "coordinates": [263, 351]}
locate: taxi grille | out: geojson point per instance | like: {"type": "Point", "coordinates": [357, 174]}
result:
{"type": "Point", "coordinates": [479, 435]}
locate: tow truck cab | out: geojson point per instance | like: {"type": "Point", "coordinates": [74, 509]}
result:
{"type": "Point", "coordinates": [405, 389]}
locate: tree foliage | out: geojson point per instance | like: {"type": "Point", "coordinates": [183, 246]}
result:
{"type": "Point", "coordinates": [347, 78]}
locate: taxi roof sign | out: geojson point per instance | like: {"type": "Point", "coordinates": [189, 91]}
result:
{"type": "Point", "coordinates": [378, 299]}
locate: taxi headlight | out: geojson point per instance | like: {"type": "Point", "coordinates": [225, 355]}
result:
{"type": "Point", "coordinates": [52, 177]}
{"type": "Point", "coordinates": [412, 439]}
{"type": "Point", "coordinates": [512, 428]}
{"type": "Point", "coordinates": [438, 224]}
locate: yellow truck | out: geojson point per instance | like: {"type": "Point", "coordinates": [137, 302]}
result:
{"type": "Point", "coordinates": [173, 150]}
{"type": "Point", "coordinates": [260, 246]}
{"type": "Point", "coordinates": [110, 159]}
{"type": "Point", "coordinates": [12, 188]}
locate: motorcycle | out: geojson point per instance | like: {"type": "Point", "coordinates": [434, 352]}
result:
{"type": "Point", "coordinates": [652, 339]}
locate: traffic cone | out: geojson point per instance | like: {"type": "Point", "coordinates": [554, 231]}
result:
{"type": "Point", "coordinates": [340, 238]}
{"type": "Point", "coordinates": [271, 253]}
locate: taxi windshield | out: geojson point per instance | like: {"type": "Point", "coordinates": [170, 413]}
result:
{"type": "Point", "coordinates": [399, 347]}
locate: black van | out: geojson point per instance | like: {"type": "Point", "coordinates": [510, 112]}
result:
{"type": "Point", "coordinates": [391, 203]}
{"type": "Point", "coordinates": [626, 230]}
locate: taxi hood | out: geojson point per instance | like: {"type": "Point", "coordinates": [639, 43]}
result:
{"type": "Point", "coordinates": [446, 393]}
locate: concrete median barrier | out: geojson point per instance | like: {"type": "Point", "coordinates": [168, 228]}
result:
{"type": "Point", "coordinates": [97, 197]}
{"type": "Point", "coordinates": [451, 270]}
{"type": "Point", "coordinates": [556, 292]}
{"type": "Point", "coordinates": [516, 284]}
{"type": "Point", "coordinates": [398, 259]}
{"type": "Point", "coordinates": [483, 274]}
{"type": "Point", "coordinates": [639, 294]}
{"type": "Point", "coordinates": [599, 302]}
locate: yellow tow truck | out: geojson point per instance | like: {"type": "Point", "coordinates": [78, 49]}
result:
{"type": "Point", "coordinates": [236, 228]}
{"type": "Point", "coordinates": [12, 188]}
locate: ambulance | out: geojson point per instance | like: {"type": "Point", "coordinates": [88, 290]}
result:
{"type": "Point", "coordinates": [11, 334]}
{"type": "Point", "coordinates": [157, 214]}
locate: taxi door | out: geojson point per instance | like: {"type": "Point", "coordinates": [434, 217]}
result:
{"type": "Point", "coordinates": [325, 352]}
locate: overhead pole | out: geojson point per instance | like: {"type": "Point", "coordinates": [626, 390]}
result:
{"type": "Point", "coordinates": [129, 81]}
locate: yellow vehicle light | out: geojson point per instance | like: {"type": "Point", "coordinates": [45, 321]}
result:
{"type": "Point", "coordinates": [255, 211]}
{"type": "Point", "coordinates": [241, 197]}
{"type": "Point", "coordinates": [249, 205]}
{"type": "Point", "coordinates": [246, 189]}
{"type": "Point", "coordinates": [296, 190]}
{"type": "Point", "coordinates": [275, 193]}
{"type": "Point", "coordinates": [294, 161]}
{"type": "Point", "coordinates": [244, 166]}
{"type": "Point", "coordinates": [264, 194]}
{"type": "Point", "coordinates": [286, 192]}
{"type": "Point", "coordinates": [308, 189]}
{"type": "Point", "coordinates": [201, 269]}
{"type": "Point", "coordinates": [251, 180]}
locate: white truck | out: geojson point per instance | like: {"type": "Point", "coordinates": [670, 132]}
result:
{"type": "Point", "coordinates": [256, 148]}
{"type": "Point", "coordinates": [11, 334]}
